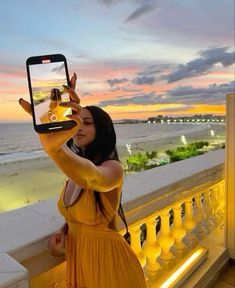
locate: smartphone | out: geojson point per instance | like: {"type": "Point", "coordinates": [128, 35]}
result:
{"type": "Point", "coordinates": [46, 76]}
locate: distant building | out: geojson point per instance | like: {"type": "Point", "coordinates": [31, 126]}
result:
{"type": "Point", "coordinates": [194, 118]}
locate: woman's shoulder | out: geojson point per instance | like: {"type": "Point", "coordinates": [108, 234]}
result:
{"type": "Point", "coordinates": [113, 164]}
{"type": "Point", "coordinates": [113, 169]}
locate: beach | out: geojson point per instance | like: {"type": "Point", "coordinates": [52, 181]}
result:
{"type": "Point", "coordinates": [28, 181]}
{"type": "Point", "coordinates": [162, 144]}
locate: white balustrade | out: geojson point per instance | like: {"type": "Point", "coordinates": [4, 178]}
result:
{"type": "Point", "coordinates": [190, 223]}
{"type": "Point", "coordinates": [207, 208]}
{"type": "Point", "coordinates": [165, 240]}
{"type": "Point", "coordinates": [162, 251]}
{"type": "Point", "coordinates": [199, 229]}
{"type": "Point", "coordinates": [151, 250]}
{"type": "Point", "coordinates": [215, 204]}
{"type": "Point", "coordinates": [178, 232]}
{"type": "Point", "coordinates": [136, 244]}
{"type": "Point", "coordinates": [221, 199]}
{"type": "Point", "coordinates": [192, 206]}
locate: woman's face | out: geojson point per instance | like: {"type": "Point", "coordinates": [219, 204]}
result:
{"type": "Point", "coordinates": [86, 134]}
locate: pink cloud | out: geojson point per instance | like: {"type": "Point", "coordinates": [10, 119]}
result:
{"type": "Point", "coordinates": [6, 71]}
{"type": "Point", "coordinates": [101, 71]}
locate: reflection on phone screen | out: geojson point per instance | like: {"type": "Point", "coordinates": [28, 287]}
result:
{"type": "Point", "coordinates": [46, 82]}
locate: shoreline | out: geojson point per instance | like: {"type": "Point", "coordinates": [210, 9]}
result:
{"type": "Point", "coordinates": [27, 181]}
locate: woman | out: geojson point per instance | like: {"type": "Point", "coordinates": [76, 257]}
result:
{"type": "Point", "coordinates": [97, 255]}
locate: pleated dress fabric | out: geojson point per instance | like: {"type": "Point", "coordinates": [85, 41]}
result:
{"type": "Point", "coordinates": [97, 257]}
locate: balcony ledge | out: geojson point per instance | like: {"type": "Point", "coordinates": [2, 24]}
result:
{"type": "Point", "coordinates": [26, 230]}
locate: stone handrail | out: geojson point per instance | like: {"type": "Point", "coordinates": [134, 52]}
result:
{"type": "Point", "coordinates": [154, 189]}
{"type": "Point", "coordinates": [190, 190]}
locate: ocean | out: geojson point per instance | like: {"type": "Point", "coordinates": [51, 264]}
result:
{"type": "Point", "coordinates": [19, 141]}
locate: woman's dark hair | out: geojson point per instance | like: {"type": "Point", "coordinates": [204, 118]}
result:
{"type": "Point", "coordinates": [55, 95]}
{"type": "Point", "coordinates": [101, 149]}
{"type": "Point", "coordinates": [104, 145]}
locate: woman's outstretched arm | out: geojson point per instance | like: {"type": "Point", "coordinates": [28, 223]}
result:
{"type": "Point", "coordinates": [83, 172]}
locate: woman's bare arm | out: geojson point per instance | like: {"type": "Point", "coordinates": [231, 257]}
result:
{"type": "Point", "coordinates": [83, 172]}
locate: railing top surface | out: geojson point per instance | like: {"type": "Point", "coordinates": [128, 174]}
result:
{"type": "Point", "coordinates": [27, 227]}
{"type": "Point", "coordinates": [181, 175]}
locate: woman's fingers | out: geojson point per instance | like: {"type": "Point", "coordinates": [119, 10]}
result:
{"type": "Point", "coordinates": [76, 118]}
{"type": "Point", "coordinates": [56, 245]}
{"type": "Point", "coordinates": [73, 81]}
{"type": "Point", "coordinates": [73, 95]}
{"type": "Point", "coordinates": [74, 106]}
{"type": "Point", "coordinates": [25, 105]}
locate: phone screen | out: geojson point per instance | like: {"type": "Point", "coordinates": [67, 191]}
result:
{"type": "Point", "coordinates": [46, 80]}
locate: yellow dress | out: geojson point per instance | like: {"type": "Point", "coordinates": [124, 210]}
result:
{"type": "Point", "coordinates": [97, 257]}
{"type": "Point", "coordinates": [55, 114]}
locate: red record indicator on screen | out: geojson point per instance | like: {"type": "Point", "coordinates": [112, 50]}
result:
{"type": "Point", "coordinates": [45, 61]}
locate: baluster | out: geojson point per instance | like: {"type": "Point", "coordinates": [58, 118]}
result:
{"type": "Point", "coordinates": [178, 232]}
{"type": "Point", "coordinates": [166, 241]}
{"type": "Point", "coordinates": [136, 244]}
{"type": "Point", "coordinates": [212, 217]}
{"type": "Point", "coordinates": [199, 229]}
{"type": "Point", "coordinates": [189, 222]}
{"type": "Point", "coordinates": [221, 198]}
{"type": "Point", "coordinates": [151, 250]}
{"type": "Point", "coordinates": [215, 204]}
{"type": "Point", "coordinates": [207, 209]}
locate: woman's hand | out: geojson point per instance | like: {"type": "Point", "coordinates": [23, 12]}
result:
{"type": "Point", "coordinates": [52, 142]}
{"type": "Point", "coordinates": [56, 244]}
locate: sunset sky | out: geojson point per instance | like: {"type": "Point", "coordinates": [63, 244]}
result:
{"type": "Point", "coordinates": [134, 58]}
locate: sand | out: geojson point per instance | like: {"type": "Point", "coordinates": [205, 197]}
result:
{"type": "Point", "coordinates": [29, 181]}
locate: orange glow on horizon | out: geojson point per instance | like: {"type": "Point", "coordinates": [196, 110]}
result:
{"type": "Point", "coordinates": [135, 112]}
{"type": "Point", "coordinates": [206, 109]}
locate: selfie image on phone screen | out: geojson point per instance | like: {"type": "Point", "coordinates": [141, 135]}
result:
{"type": "Point", "coordinates": [47, 91]}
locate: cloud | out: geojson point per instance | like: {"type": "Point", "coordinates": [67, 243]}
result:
{"type": "Point", "coordinates": [86, 94]}
{"type": "Point", "coordinates": [155, 69]}
{"type": "Point", "coordinates": [187, 95]}
{"type": "Point", "coordinates": [214, 94]}
{"type": "Point", "coordinates": [139, 99]}
{"type": "Point", "coordinates": [141, 11]}
{"type": "Point", "coordinates": [58, 69]}
{"type": "Point", "coordinates": [130, 89]}
{"type": "Point", "coordinates": [144, 80]}
{"type": "Point", "coordinates": [113, 82]}
{"type": "Point", "coordinates": [12, 71]}
{"type": "Point", "coordinates": [202, 65]}
{"type": "Point", "coordinates": [108, 2]}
